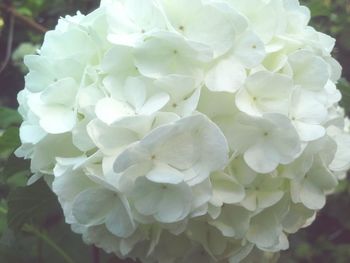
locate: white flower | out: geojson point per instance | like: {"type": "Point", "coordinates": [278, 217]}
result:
{"type": "Point", "coordinates": [264, 142]}
{"type": "Point", "coordinates": [167, 201]}
{"type": "Point", "coordinates": [233, 221]}
{"type": "Point", "coordinates": [263, 192]}
{"type": "Point", "coordinates": [309, 70]}
{"type": "Point", "coordinates": [315, 184]}
{"type": "Point", "coordinates": [184, 92]}
{"type": "Point", "coordinates": [342, 160]}
{"type": "Point", "coordinates": [229, 73]}
{"type": "Point", "coordinates": [134, 102]}
{"type": "Point", "coordinates": [98, 205]}
{"type": "Point", "coordinates": [191, 20]}
{"type": "Point", "coordinates": [266, 229]}
{"type": "Point", "coordinates": [54, 106]}
{"type": "Point", "coordinates": [193, 146]}
{"type": "Point", "coordinates": [164, 53]}
{"type": "Point", "coordinates": [186, 131]}
{"type": "Point", "coordinates": [129, 21]}
{"type": "Point", "coordinates": [307, 116]}
{"type": "Point", "coordinates": [226, 189]}
{"type": "Point", "coordinates": [265, 92]}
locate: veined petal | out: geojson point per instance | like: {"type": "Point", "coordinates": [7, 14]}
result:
{"type": "Point", "coordinates": [119, 221]}
{"type": "Point", "coordinates": [91, 206]}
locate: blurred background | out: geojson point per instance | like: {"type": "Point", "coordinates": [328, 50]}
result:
{"type": "Point", "coordinates": [31, 224]}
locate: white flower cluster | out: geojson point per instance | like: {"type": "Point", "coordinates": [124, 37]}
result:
{"type": "Point", "coordinates": [186, 131]}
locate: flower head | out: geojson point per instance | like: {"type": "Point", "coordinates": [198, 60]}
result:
{"type": "Point", "coordinates": [186, 131]}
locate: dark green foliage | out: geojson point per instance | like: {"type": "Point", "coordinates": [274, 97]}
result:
{"type": "Point", "coordinates": [9, 141]}
{"type": "Point", "coordinates": [9, 117]}
{"type": "Point", "coordinates": [32, 204]}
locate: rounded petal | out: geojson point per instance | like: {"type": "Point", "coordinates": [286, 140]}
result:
{"type": "Point", "coordinates": [110, 110]}
{"type": "Point", "coordinates": [119, 221]}
{"type": "Point", "coordinates": [227, 75]}
{"type": "Point", "coordinates": [262, 158]}
{"type": "Point", "coordinates": [57, 119]}
{"type": "Point", "coordinates": [310, 71]}
{"type": "Point", "coordinates": [226, 189]}
{"type": "Point", "coordinates": [249, 49]}
{"type": "Point", "coordinates": [163, 173]}
{"type": "Point", "coordinates": [91, 206]}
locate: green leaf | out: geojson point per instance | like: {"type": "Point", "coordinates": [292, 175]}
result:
{"type": "Point", "coordinates": [24, 11]}
{"type": "Point", "coordinates": [31, 204]}
{"type": "Point", "coordinates": [319, 8]}
{"type": "Point", "coordinates": [15, 166]}
{"type": "Point", "coordinates": [9, 117]}
{"type": "Point", "coordinates": [9, 141]}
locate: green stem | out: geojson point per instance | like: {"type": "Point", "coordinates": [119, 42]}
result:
{"type": "Point", "coordinates": [31, 229]}
{"type": "Point", "coordinates": [39, 249]}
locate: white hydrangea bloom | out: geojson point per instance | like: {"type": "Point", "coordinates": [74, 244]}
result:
{"type": "Point", "coordinates": [186, 131]}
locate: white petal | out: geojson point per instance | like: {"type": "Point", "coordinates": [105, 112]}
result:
{"type": "Point", "coordinates": [119, 221]}
{"type": "Point", "coordinates": [134, 154]}
{"type": "Point", "coordinates": [91, 206]}
{"type": "Point", "coordinates": [227, 75]}
{"type": "Point", "coordinates": [226, 189]}
{"type": "Point", "coordinates": [162, 173]}
{"type": "Point", "coordinates": [311, 196]}
{"type": "Point", "coordinates": [264, 229]}
{"type": "Point", "coordinates": [262, 158]}
{"type": "Point", "coordinates": [62, 92]}
{"type": "Point", "coordinates": [166, 53]}
{"type": "Point", "coordinates": [310, 71]}
{"type": "Point", "coordinates": [118, 60]}
{"type": "Point", "coordinates": [167, 203]}
{"type": "Point", "coordinates": [233, 221]}
{"type": "Point", "coordinates": [128, 177]}
{"type": "Point", "coordinates": [146, 196]}
{"type": "Point", "coordinates": [175, 205]}
{"type": "Point", "coordinates": [266, 199]}
{"type": "Point", "coordinates": [67, 187]}
{"type": "Point", "coordinates": [80, 136]}
{"type": "Point", "coordinates": [219, 30]}
{"type": "Point", "coordinates": [341, 160]}
{"type": "Point", "coordinates": [296, 218]}
{"type": "Point", "coordinates": [249, 49]}
{"type": "Point", "coordinates": [31, 133]}
{"type": "Point", "coordinates": [184, 93]}
{"type": "Point", "coordinates": [309, 132]}
{"type": "Point", "coordinates": [265, 92]}
{"type": "Point", "coordinates": [201, 194]}
{"type": "Point", "coordinates": [135, 92]}
{"type": "Point", "coordinates": [57, 119]}
{"type": "Point", "coordinates": [190, 140]}
{"type": "Point", "coordinates": [173, 145]}
{"type": "Point", "coordinates": [154, 103]}
{"type": "Point", "coordinates": [305, 108]}
{"type": "Point", "coordinates": [110, 110]}
{"type": "Point", "coordinates": [109, 139]}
